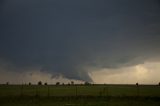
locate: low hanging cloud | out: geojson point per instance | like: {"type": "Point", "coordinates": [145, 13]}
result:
{"type": "Point", "coordinates": [70, 38]}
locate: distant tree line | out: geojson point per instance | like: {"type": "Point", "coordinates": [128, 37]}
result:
{"type": "Point", "coordinates": [70, 83]}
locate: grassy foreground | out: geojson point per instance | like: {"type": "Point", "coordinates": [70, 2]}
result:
{"type": "Point", "coordinates": [79, 95]}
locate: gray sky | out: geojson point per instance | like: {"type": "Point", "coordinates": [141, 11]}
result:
{"type": "Point", "coordinates": [74, 38]}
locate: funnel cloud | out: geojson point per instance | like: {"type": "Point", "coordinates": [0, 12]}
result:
{"type": "Point", "coordinates": [72, 38]}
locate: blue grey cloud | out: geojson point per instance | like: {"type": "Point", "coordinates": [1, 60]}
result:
{"type": "Point", "coordinates": [68, 36]}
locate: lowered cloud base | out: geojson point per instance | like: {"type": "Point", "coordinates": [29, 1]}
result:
{"type": "Point", "coordinates": [147, 73]}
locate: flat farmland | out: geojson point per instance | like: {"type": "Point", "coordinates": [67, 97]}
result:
{"type": "Point", "coordinates": [83, 95]}
{"type": "Point", "coordinates": [80, 90]}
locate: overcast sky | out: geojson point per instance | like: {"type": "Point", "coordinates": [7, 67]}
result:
{"type": "Point", "coordinates": [82, 40]}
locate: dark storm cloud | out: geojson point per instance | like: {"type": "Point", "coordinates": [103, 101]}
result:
{"type": "Point", "coordinates": [69, 36]}
{"type": "Point", "coordinates": [2, 2]}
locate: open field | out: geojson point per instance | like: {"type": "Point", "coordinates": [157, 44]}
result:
{"type": "Point", "coordinates": [80, 90]}
{"type": "Point", "coordinates": [81, 95]}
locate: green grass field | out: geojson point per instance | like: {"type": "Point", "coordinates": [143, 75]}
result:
{"type": "Point", "coordinates": [79, 95]}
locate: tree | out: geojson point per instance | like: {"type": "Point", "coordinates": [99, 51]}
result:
{"type": "Point", "coordinates": [57, 83]}
{"type": "Point", "coordinates": [29, 83]}
{"type": "Point", "coordinates": [137, 84]}
{"type": "Point", "coordinates": [72, 82]}
{"type": "Point", "coordinates": [7, 83]}
{"type": "Point", "coordinates": [86, 83]}
{"type": "Point", "coordinates": [40, 83]}
{"type": "Point", "coordinates": [45, 83]}
{"type": "Point", "coordinates": [159, 84]}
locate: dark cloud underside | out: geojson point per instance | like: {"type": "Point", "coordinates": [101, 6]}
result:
{"type": "Point", "coordinates": [68, 36]}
